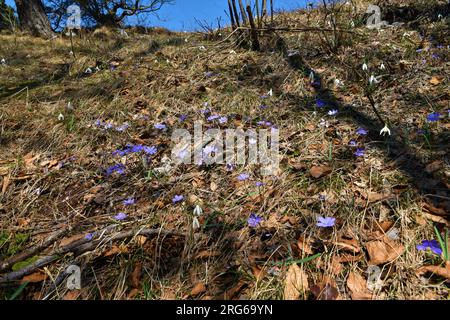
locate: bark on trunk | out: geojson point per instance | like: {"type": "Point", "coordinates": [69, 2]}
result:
{"type": "Point", "coordinates": [32, 17]}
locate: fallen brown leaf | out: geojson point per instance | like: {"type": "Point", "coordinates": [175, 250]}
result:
{"type": "Point", "coordinates": [115, 250]}
{"type": "Point", "coordinates": [304, 245]}
{"type": "Point", "coordinates": [199, 288]}
{"type": "Point", "coordinates": [320, 171]}
{"type": "Point", "coordinates": [358, 287]}
{"type": "Point", "coordinates": [295, 283]}
{"type": "Point", "coordinates": [440, 271]}
{"type": "Point", "coordinates": [6, 181]}
{"type": "Point", "coordinates": [383, 251]}
{"type": "Point", "coordinates": [135, 276]}
{"type": "Point", "coordinates": [37, 276]}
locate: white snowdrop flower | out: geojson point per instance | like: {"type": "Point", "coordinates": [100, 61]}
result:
{"type": "Point", "coordinates": [270, 93]}
{"type": "Point", "coordinates": [3, 61]}
{"type": "Point", "coordinates": [69, 106]}
{"type": "Point", "coordinates": [186, 40]}
{"type": "Point", "coordinates": [440, 16]}
{"type": "Point", "coordinates": [385, 130]}
{"type": "Point", "coordinates": [60, 117]}
{"type": "Point", "coordinates": [202, 48]}
{"type": "Point", "coordinates": [198, 211]}
{"type": "Point", "coordinates": [97, 69]}
{"type": "Point", "coordinates": [352, 24]}
{"type": "Point", "coordinates": [364, 67]}
{"type": "Point", "coordinates": [373, 80]}
{"type": "Point", "coordinates": [71, 52]}
{"type": "Point", "coordinates": [338, 82]}
{"type": "Point", "coordinates": [195, 224]}
{"type": "Point", "coordinates": [232, 52]}
{"type": "Point", "coordinates": [311, 76]}
{"type": "Point", "coordinates": [382, 67]}
{"type": "Point", "coordinates": [88, 71]}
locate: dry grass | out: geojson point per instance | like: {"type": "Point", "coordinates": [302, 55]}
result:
{"type": "Point", "coordinates": [55, 168]}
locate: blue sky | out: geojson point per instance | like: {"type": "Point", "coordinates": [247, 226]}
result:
{"type": "Point", "coordinates": [181, 15]}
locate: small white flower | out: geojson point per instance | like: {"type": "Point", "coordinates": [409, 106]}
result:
{"type": "Point", "coordinates": [60, 117]}
{"type": "Point", "coordinates": [69, 106]}
{"type": "Point", "coordinates": [352, 24]}
{"type": "Point", "coordinates": [198, 210]}
{"type": "Point", "coordinates": [382, 67]}
{"type": "Point", "coordinates": [338, 83]}
{"type": "Point", "coordinates": [186, 40]}
{"type": "Point", "coordinates": [385, 130]}
{"type": "Point", "coordinates": [311, 76]}
{"type": "Point", "coordinates": [88, 71]}
{"type": "Point", "coordinates": [202, 48]}
{"type": "Point", "coordinates": [3, 62]}
{"type": "Point", "coordinates": [71, 52]}
{"type": "Point", "coordinates": [270, 93]}
{"type": "Point", "coordinates": [195, 224]}
{"type": "Point", "coordinates": [364, 67]}
{"type": "Point", "coordinates": [440, 16]}
{"type": "Point", "coordinates": [232, 52]}
{"type": "Point", "coordinates": [373, 80]}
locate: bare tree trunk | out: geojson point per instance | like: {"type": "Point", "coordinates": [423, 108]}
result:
{"type": "Point", "coordinates": [254, 33]}
{"type": "Point", "coordinates": [243, 14]}
{"type": "Point", "coordinates": [32, 17]}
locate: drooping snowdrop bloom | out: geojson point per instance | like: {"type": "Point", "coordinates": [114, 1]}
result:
{"type": "Point", "coordinates": [382, 67]}
{"type": "Point", "coordinates": [311, 77]}
{"type": "Point", "coordinates": [3, 62]}
{"type": "Point", "coordinates": [364, 67]}
{"type": "Point", "coordinates": [373, 80]}
{"type": "Point", "coordinates": [198, 211]}
{"type": "Point", "coordinates": [88, 71]}
{"type": "Point", "coordinates": [333, 112]}
{"type": "Point", "coordinates": [385, 130]}
{"type": "Point", "coordinates": [69, 106]}
{"type": "Point", "coordinates": [270, 93]}
{"type": "Point", "coordinates": [60, 117]}
{"type": "Point", "coordinates": [338, 83]}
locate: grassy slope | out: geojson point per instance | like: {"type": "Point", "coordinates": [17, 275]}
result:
{"type": "Point", "coordinates": [162, 76]}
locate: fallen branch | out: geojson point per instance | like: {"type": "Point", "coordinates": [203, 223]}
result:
{"type": "Point", "coordinates": [5, 265]}
{"type": "Point", "coordinates": [79, 247]}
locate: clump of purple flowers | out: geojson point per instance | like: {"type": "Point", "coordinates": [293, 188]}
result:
{"type": "Point", "coordinates": [433, 117]}
{"type": "Point", "coordinates": [433, 245]}
{"type": "Point", "coordinates": [118, 168]}
{"type": "Point", "coordinates": [135, 149]}
{"type": "Point", "coordinates": [320, 103]}
{"type": "Point", "coordinates": [160, 126]}
{"type": "Point", "coordinates": [254, 220]}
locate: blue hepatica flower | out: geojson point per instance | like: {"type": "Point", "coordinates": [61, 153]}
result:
{"type": "Point", "coordinates": [182, 117]}
{"type": "Point", "coordinates": [119, 168]}
{"type": "Point", "coordinates": [122, 127]}
{"type": "Point", "coordinates": [107, 126]}
{"type": "Point", "coordinates": [177, 198]}
{"type": "Point", "coordinates": [209, 74]}
{"type": "Point", "coordinates": [359, 152]}
{"type": "Point", "coordinates": [149, 150]}
{"type": "Point", "coordinates": [89, 236]}
{"type": "Point", "coordinates": [243, 176]}
{"type": "Point", "coordinates": [433, 245]}
{"type": "Point", "coordinates": [263, 106]}
{"type": "Point", "coordinates": [259, 183]}
{"type": "Point", "coordinates": [326, 222]}
{"type": "Point", "coordinates": [120, 216]}
{"type": "Point", "coordinates": [333, 112]}
{"type": "Point", "coordinates": [352, 143]}
{"type": "Point", "coordinates": [160, 126]}
{"type": "Point", "coordinates": [433, 117]}
{"type": "Point", "coordinates": [362, 131]}
{"type": "Point", "coordinates": [213, 117]}
{"type": "Point", "coordinates": [98, 123]}
{"type": "Point", "coordinates": [230, 167]}
{"type": "Point", "coordinates": [223, 120]}
{"type": "Point", "coordinates": [320, 103]}
{"type": "Point", "coordinates": [264, 123]}
{"type": "Point", "coordinates": [129, 202]}
{"type": "Point", "coordinates": [209, 149]}
{"type": "Point", "coordinates": [254, 220]}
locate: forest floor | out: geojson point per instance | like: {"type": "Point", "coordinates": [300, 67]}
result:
{"type": "Point", "coordinates": [74, 193]}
